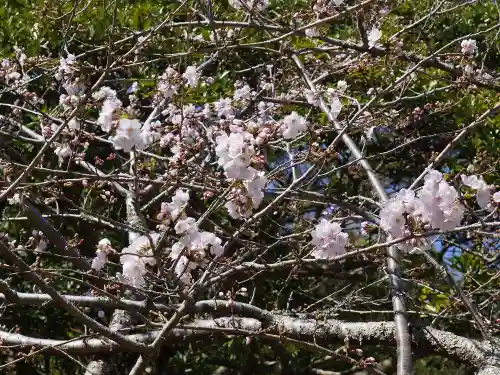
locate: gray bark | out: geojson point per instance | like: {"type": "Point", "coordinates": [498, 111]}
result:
{"type": "Point", "coordinates": [97, 367]}
{"type": "Point", "coordinates": [425, 342]}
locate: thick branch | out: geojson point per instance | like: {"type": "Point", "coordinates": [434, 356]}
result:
{"type": "Point", "coordinates": [97, 367]}
{"type": "Point", "coordinates": [201, 307]}
{"type": "Point", "coordinates": [425, 342]}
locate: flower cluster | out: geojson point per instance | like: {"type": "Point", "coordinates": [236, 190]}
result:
{"type": "Point", "coordinates": [342, 86]}
{"type": "Point", "coordinates": [435, 206]}
{"type": "Point", "coordinates": [74, 91]}
{"type": "Point", "coordinates": [172, 211]}
{"type": "Point", "coordinates": [39, 240]}
{"type": "Point", "coordinates": [15, 199]}
{"type": "Point", "coordinates": [136, 257]}
{"type": "Point", "coordinates": [74, 86]}
{"type": "Point", "coordinates": [485, 198]}
{"type": "Point", "coordinates": [9, 72]}
{"type": "Point", "coordinates": [468, 47]}
{"type": "Point", "coordinates": [192, 76]}
{"type": "Point", "coordinates": [328, 240]}
{"type": "Point", "coordinates": [194, 246]}
{"type": "Point", "coordinates": [311, 32]}
{"type": "Point", "coordinates": [103, 250]}
{"type": "Point", "coordinates": [243, 92]}
{"type": "Point", "coordinates": [63, 151]}
{"type": "Point", "coordinates": [183, 128]}
{"type": "Point", "coordinates": [438, 204]}
{"type": "Point", "coordinates": [186, 136]}
{"type": "Point", "coordinates": [235, 152]}
{"type": "Point", "coordinates": [129, 135]}
{"type": "Point", "coordinates": [293, 125]}
{"type": "Point", "coordinates": [224, 108]}
{"type": "Point", "coordinates": [332, 96]}
{"type": "Point", "coordinates": [243, 199]}
{"type": "Point", "coordinates": [373, 37]}
{"type": "Point", "coordinates": [168, 83]}
{"type": "Point", "coordinates": [66, 67]}
{"type": "Point", "coordinates": [111, 106]}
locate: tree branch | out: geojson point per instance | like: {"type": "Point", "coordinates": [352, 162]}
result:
{"type": "Point", "coordinates": [54, 236]}
{"type": "Point", "coordinates": [82, 317]}
{"type": "Point", "coordinates": [426, 341]}
{"type": "Point", "coordinates": [398, 301]}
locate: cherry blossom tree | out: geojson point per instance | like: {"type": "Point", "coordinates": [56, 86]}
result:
{"type": "Point", "coordinates": [251, 187]}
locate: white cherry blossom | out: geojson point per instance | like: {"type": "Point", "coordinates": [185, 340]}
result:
{"type": "Point", "coordinates": [335, 106]}
{"type": "Point", "coordinates": [312, 97]}
{"type": "Point", "coordinates": [243, 93]}
{"type": "Point", "coordinates": [103, 250]}
{"type": "Point", "coordinates": [99, 261]}
{"type": "Point", "coordinates": [136, 257]}
{"type": "Point", "coordinates": [468, 47]}
{"type": "Point", "coordinates": [192, 76]}
{"type": "Point", "coordinates": [235, 152]}
{"type": "Point", "coordinates": [63, 151]}
{"type": "Point", "coordinates": [74, 124]}
{"type": "Point", "coordinates": [496, 197]}
{"type": "Point", "coordinates": [255, 188]}
{"type": "Point", "coordinates": [238, 209]}
{"type": "Point", "coordinates": [483, 190]}
{"type": "Point", "coordinates": [293, 125]}
{"type": "Point", "coordinates": [183, 270]}
{"type": "Point", "coordinates": [438, 203]}
{"type": "Point", "coordinates": [328, 240]}
{"type": "Point", "coordinates": [194, 245]}
{"type": "Point", "coordinates": [178, 204]}
{"type": "Point", "coordinates": [374, 36]}
{"type": "Point", "coordinates": [224, 108]}
{"type": "Point", "coordinates": [186, 226]}
{"type": "Point", "coordinates": [15, 199]}
{"type": "Point", "coordinates": [108, 112]}
{"type": "Point", "coordinates": [129, 135]}
{"type": "Point", "coordinates": [311, 32]}
{"type": "Point", "coordinates": [342, 86]}
{"type": "Point", "coordinates": [392, 219]}
{"type": "Point", "coordinates": [65, 66]}
{"type": "Point", "coordinates": [436, 206]}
